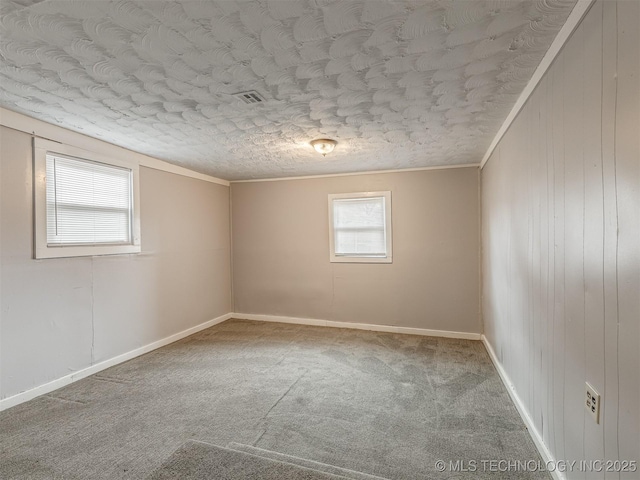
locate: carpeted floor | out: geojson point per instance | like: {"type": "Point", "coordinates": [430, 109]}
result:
{"type": "Point", "coordinates": [384, 404]}
{"type": "Point", "coordinates": [196, 460]}
{"type": "Point", "coordinates": [202, 461]}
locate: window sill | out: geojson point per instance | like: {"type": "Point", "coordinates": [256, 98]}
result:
{"type": "Point", "coordinates": [363, 259]}
{"type": "Point", "coordinates": [85, 251]}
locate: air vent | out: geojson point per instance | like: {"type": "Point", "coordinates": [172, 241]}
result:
{"type": "Point", "coordinates": [250, 97]}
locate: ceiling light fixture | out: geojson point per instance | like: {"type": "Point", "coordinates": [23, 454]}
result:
{"type": "Point", "coordinates": [324, 145]}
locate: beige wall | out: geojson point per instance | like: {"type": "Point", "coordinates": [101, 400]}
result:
{"type": "Point", "coordinates": [561, 243]}
{"type": "Point", "coordinates": [62, 315]}
{"type": "Point", "coordinates": [281, 252]}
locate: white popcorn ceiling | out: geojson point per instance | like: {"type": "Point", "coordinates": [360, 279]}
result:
{"type": "Point", "coordinates": [399, 84]}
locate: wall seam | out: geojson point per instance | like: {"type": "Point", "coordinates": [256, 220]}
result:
{"type": "Point", "coordinates": [231, 262]}
{"type": "Point", "coordinates": [615, 189]}
{"type": "Point", "coordinates": [480, 253]}
{"type": "Point", "coordinates": [604, 233]}
{"type": "Point", "coordinates": [93, 314]}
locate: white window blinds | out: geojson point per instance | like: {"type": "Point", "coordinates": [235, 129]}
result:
{"type": "Point", "coordinates": [88, 203]}
{"type": "Point", "coordinates": [359, 227]}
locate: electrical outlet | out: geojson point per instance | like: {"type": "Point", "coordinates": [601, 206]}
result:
{"type": "Point", "coordinates": [592, 402]}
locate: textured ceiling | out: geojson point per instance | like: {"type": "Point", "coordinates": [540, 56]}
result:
{"type": "Point", "coordinates": [399, 84]}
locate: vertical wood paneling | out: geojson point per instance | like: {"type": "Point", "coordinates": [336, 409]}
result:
{"type": "Point", "coordinates": [550, 416]}
{"type": "Point", "coordinates": [627, 158]}
{"type": "Point", "coordinates": [610, 208]}
{"type": "Point", "coordinates": [573, 139]}
{"type": "Point", "coordinates": [557, 121]}
{"type": "Point", "coordinates": [561, 241]}
{"type": "Point", "coordinates": [593, 224]}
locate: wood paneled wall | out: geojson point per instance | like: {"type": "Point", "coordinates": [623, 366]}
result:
{"type": "Point", "coordinates": [561, 241]}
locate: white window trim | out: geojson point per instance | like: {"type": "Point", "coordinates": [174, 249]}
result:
{"type": "Point", "coordinates": [43, 147]}
{"type": "Point", "coordinates": [361, 258]}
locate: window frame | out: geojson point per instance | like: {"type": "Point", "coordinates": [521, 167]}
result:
{"type": "Point", "coordinates": [42, 250]}
{"type": "Point", "coordinates": [333, 258]}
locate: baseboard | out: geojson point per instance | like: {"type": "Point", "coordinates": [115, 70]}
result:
{"type": "Point", "coordinates": [546, 455]}
{"type": "Point", "coordinates": [85, 372]}
{"type": "Point", "coordinates": [358, 326]}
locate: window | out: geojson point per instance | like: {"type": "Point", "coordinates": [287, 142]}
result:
{"type": "Point", "coordinates": [88, 203]}
{"type": "Point", "coordinates": [360, 227]}
{"type": "Point", "coordinates": [85, 204]}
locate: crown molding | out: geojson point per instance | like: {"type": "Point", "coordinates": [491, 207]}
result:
{"type": "Point", "coordinates": [55, 133]}
{"type": "Point", "coordinates": [575, 17]}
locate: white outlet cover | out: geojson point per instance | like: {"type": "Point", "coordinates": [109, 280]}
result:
{"type": "Point", "coordinates": [592, 402]}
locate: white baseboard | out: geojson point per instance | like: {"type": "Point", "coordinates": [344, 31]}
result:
{"type": "Point", "coordinates": [80, 374]}
{"type": "Point", "coordinates": [85, 372]}
{"type": "Point", "coordinates": [533, 431]}
{"type": "Point", "coordinates": [358, 326]}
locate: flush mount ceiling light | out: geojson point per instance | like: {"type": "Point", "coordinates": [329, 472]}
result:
{"type": "Point", "coordinates": [323, 145]}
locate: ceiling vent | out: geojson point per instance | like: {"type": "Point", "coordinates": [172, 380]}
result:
{"type": "Point", "coordinates": [250, 97]}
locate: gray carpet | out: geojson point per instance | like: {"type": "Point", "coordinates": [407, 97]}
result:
{"type": "Point", "coordinates": [323, 467]}
{"type": "Point", "coordinates": [384, 404]}
{"type": "Point", "coordinates": [201, 461]}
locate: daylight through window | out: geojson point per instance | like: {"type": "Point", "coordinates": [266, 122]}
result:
{"type": "Point", "coordinates": [360, 227]}
{"type": "Point", "coordinates": [87, 202]}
